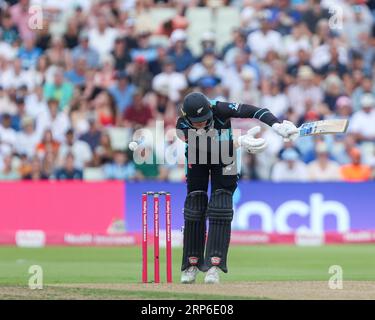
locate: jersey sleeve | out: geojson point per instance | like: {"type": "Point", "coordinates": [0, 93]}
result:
{"type": "Point", "coordinates": [227, 110]}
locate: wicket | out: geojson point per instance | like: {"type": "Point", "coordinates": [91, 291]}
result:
{"type": "Point", "coordinates": [168, 235]}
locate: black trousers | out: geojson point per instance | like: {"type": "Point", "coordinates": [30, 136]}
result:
{"type": "Point", "coordinates": [198, 177]}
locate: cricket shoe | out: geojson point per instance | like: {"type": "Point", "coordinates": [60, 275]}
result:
{"type": "Point", "coordinates": [189, 275]}
{"type": "Point", "coordinates": [212, 276]}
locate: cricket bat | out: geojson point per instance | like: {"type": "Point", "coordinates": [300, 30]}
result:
{"type": "Point", "coordinates": [323, 127]}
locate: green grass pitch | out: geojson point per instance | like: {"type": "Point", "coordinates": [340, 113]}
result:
{"type": "Point", "coordinates": [122, 265]}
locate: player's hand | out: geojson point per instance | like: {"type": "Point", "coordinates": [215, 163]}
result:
{"type": "Point", "coordinates": [250, 143]}
{"type": "Point", "coordinates": [287, 130]}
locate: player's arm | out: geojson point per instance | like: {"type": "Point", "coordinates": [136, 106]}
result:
{"type": "Point", "coordinates": [241, 110]}
{"type": "Point", "coordinates": [286, 129]}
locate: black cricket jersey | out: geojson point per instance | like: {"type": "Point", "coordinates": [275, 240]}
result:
{"type": "Point", "coordinates": [221, 127]}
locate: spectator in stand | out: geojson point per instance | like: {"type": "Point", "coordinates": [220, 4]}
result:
{"type": "Point", "coordinates": [209, 65]}
{"type": "Point", "coordinates": [140, 74]}
{"type": "Point", "coordinates": [302, 58]}
{"type": "Point", "coordinates": [68, 171]}
{"type": "Point", "coordinates": [47, 145]}
{"type": "Point", "coordinates": [43, 35]}
{"type": "Point", "coordinates": [334, 65]}
{"type": "Point", "coordinates": [93, 135]}
{"type": "Point", "coordinates": [144, 48]}
{"type": "Point", "coordinates": [71, 36]}
{"type": "Point", "coordinates": [208, 41]}
{"type": "Point", "coordinates": [36, 172]}
{"type": "Point", "coordinates": [104, 151]}
{"type": "Point", "coordinates": [303, 90]}
{"type": "Point", "coordinates": [355, 27]}
{"type": "Point", "coordinates": [356, 171]}
{"type": "Point", "coordinates": [362, 122]}
{"type": "Point", "coordinates": [123, 91]}
{"type": "Point", "coordinates": [285, 16]}
{"type": "Point", "coordinates": [57, 121]}
{"type": "Point", "coordinates": [233, 73]}
{"type": "Point", "coordinates": [48, 164]}
{"type": "Point", "coordinates": [35, 104]}
{"type": "Point", "coordinates": [367, 86]}
{"type": "Point", "coordinates": [298, 40]}
{"type": "Point", "coordinates": [333, 89]}
{"type": "Point", "coordinates": [59, 90]}
{"type": "Point", "coordinates": [79, 149]}
{"type": "Point", "coordinates": [265, 39]}
{"type": "Point", "coordinates": [102, 37]}
{"type": "Point", "coordinates": [343, 107]}
{"type": "Point", "coordinates": [182, 56]}
{"type": "Point", "coordinates": [156, 66]}
{"type": "Point", "coordinates": [139, 114]}
{"type": "Point", "coordinates": [275, 100]}
{"type": "Point", "coordinates": [79, 115]}
{"type": "Point", "coordinates": [76, 76]}
{"type": "Point", "coordinates": [23, 167]}
{"type": "Point", "coordinates": [9, 31]}
{"type": "Point", "coordinates": [246, 92]}
{"type": "Point", "coordinates": [175, 81]}
{"type": "Point", "coordinates": [163, 108]}
{"type": "Point", "coordinates": [84, 50]}
{"type": "Point", "coordinates": [29, 53]}
{"type": "Point", "coordinates": [121, 168]}
{"type": "Point", "coordinates": [323, 169]}
{"type": "Point", "coordinates": [8, 173]}
{"type": "Point", "coordinates": [7, 134]}
{"type": "Point", "coordinates": [290, 169]}
{"type": "Point", "coordinates": [6, 104]}
{"type": "Point", "coordinates": [106, 111]}
{"type": "Point", "coordinates": [15, 77]}
{"type": "Point", "coordinates": [313, 14]}
{"type": "Point", "coordinates": [121, 54]}
{"type": "Point", "coordinates": [58, 54]}
{"type": "Point", "coordinates": [105, 76]}
{"type": "Point", "coordinates": [21, 16]}
{"type": "Point", "coordinates": [27, 139]}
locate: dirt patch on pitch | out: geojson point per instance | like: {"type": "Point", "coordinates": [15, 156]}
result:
{"type": "Point", "coordinates": [246, 290]}
{"type": "Point", "coordinates": [265, 289]}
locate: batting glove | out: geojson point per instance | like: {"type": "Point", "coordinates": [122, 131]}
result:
{"type": "Point", "coordinates": [287, 130]}
{"type": "Point", "coordinates": [250, 143]}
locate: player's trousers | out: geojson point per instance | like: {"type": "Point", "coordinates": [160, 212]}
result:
{"type": "Point", "coordinates": [217, 209]}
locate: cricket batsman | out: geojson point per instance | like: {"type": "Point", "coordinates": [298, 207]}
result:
{"type": "Point", "coordinates": [201, 116]}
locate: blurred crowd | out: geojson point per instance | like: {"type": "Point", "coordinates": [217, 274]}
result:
{"type": "Point", "coordinates": [89, 67]}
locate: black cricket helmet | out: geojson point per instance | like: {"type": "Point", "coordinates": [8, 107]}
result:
{"type": "Point", "coordinates": [197, 108]}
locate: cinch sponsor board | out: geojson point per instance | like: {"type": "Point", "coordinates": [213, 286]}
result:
{"type": "Point", "coordinates": [306, 208]}
{"type": "Point", "coordinates": [35, 214]}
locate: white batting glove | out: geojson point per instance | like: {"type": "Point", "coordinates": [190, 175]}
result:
{"type": "Point", "coordinates": [287, 130]}
{"type": "Point", "coordinates": [250, 143]}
